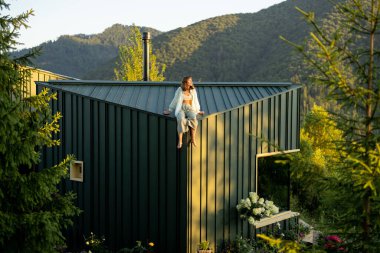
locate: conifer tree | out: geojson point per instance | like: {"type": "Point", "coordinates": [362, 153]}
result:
{"type": "Point", "coordinates": [32, 211]}
{"type": "Point", "coordinates": [130, 65]}
{"type": "Point", "coordinates": [342, 56]}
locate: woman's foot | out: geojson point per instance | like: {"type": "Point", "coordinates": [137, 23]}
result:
{"type": "Point", "coordinates": [179, 145]}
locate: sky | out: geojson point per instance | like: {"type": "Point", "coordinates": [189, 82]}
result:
{"type": "Point", "coordinates": [53, 18]}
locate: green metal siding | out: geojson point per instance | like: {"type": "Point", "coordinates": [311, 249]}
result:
{"type": "Point", "coordinates": [223, 169]}
{"type": "Point", "coordinates": [134, 184]}
{"type": "Point", "coordinates": [137, 186]}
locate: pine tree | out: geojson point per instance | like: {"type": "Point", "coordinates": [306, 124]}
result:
{"type": "Point", "coordinates": [343, 58]}
{"type": "Point", "coordinates": [130, 65]}
{"type": "Point", "coordinates": [32, 211]}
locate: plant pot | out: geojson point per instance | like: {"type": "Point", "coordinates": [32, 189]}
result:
{"type": "Point", "coordinates": [204, 251]}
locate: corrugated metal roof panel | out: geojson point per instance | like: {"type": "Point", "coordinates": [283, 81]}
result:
{"type": "Point", "coordinates": [155, 97]}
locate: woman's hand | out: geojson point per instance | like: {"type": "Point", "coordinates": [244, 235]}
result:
{"type": "Point", "coordinates": [201, 112]}
{"type": "Point", "coordinates": [166, 112]}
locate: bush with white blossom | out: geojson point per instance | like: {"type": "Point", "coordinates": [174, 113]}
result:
{"type": "Point", "coordinates": [255, 208]}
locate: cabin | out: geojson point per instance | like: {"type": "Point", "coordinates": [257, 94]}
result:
{"type": "Point", "coordinates": [31, 75]}
{"type": "Point", "coordinates": [131, 181]}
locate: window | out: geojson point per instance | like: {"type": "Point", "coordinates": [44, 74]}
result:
{"type": "Point", "coordinates": [273, 179]}
{"type": "Point", "coordinates": [76, 171]}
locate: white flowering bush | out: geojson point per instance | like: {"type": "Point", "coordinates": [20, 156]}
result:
{"type": "Point", "coordinates": [255, 208]}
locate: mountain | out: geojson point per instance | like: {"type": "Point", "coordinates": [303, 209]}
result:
{"type": "Point", "coordinates": [236, 47]}
{"type": "Point", "coordinates": [243, 47]}
{"type": "Point", "coordinates": [76, 55]}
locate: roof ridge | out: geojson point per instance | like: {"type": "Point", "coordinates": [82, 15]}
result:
{"type": "Point", "coordinates": [166, 83]}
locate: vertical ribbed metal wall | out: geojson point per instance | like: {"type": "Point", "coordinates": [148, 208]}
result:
{"type": "Point", "coordinates": [137, 186]}
{"type": "Point", "coordinates": [134, 185]}
{"type": "Point", "coordinates": [32, 75]}
{"type": "Point", "coordinates": [222, 169]}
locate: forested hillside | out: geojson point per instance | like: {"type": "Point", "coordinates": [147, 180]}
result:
{"type": "Point", "coordinates": [79, 54]}
{"type": "Point", "coordinates": [243, 47]}
{"type": "Point", "coordinates": [236, 47]}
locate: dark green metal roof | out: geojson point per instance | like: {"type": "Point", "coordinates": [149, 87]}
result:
{"type": "Point", "coordinates": [154, 97]}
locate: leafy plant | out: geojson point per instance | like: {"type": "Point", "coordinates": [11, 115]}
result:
{"type": "Point", "coordinates": [204, 245]}
{"type": "Point", "coordinates": [139, 248]}
{"type": "Point", "coordinates": [239, 245]}
{"type": "Point", "coordinates": [33, 212]}
{"type": "Point", "coordinates": [130, 65]}
{"type": "Point", "coordinates": [255, 208]}
{"type": "Point", "coordinates": [342, 58]}
{"type": "Point", "coordinates": [93, 243]}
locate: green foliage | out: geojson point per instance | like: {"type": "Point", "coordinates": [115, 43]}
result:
{"type": "Point", "coordinates": [238, 47]}
{"type": "Point", "coordinates": [130, 65]}
{"type": "Point", "coordinates": [85, 56]}
{"type": "Point", "coordinates": [287, 246]}
{"type": "Point", "coordinates": [94, 243]}
{"type": "Point", "coordinates": [32, 211]}
{"type": "Point", "coordinates": [315, 163]}
{"type": "Point", "coordinates": [342, 57]}
{"type": "Point", "coordinates": [281, 245]}
{"type": "Point", "coordinates": [204, 245]}
{"type": "Point", "coordinates": [139, 248]}
{"type": "Point", "coordinates": [239, 245]}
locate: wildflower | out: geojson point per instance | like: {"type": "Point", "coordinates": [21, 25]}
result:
{"type": "Point", "coordinates": [334, 238]}
{"type": "Point", "coordinates": [151, 244]}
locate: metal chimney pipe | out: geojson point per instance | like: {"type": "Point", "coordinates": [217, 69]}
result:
{"type": "Point", "coordinates": [146, 39]}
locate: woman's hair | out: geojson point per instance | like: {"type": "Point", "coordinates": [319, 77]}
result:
{"type": "Point", "coordinates": [184, 81]}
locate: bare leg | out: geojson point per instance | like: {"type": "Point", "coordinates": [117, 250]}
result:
{"type": "Point", "coordinates": [192, 133]}
{"type": "Point", "coordinates": [179, 140]}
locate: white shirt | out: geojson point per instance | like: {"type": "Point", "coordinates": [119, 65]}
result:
{"type": "Point", "coordinates": [177, 101]}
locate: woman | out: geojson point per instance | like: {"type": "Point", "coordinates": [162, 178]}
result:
{"type": "Point", "coordinates": [186, 106]}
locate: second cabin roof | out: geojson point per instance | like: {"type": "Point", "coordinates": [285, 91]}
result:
{"type": "Point", "coordinates": [155, 97]}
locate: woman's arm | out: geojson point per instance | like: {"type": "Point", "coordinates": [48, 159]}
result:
{"type": "Point", "coordinates": [197, 106]}
{"type": "Point", "coordinates": [174, 102]}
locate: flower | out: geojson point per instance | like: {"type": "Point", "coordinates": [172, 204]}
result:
{"type": "Point", "coordinates": [251, 220]}
{"type": "Point", "coordinates": [333, 243]}
{"type": "Point", "coordinates": [94, 242]}
{"type": "Point", "coordinates": [151, 244]}
{"type": "Point", "coordinates": [254, 208]}
{"type": "Point", "coordinates": [333, 238]}
{"type": "Point", "coordinates": [256, 211]}
{"type": "Point", "coordinates": [253, 197]}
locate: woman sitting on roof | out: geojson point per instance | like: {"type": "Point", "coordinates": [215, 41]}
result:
{"type": "Point", "coordinates": [186, 106]}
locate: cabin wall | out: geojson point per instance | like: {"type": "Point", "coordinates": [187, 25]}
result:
{"type": "Point", "coordinates": [221, 171]}
{"type": "Point", "coordinates": [31, 75]}
{"type": "Point", "coordinates": [133, 174]}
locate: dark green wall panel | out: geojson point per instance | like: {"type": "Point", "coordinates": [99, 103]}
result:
{"type": "Point", "coordinates": [87, 146]}
{"type": "Point", "coordinates": [132, 188]}
{"type": "Point", "coordinates": [223, 168]}
{"type": "Point", "coordinates": [138, 186]}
